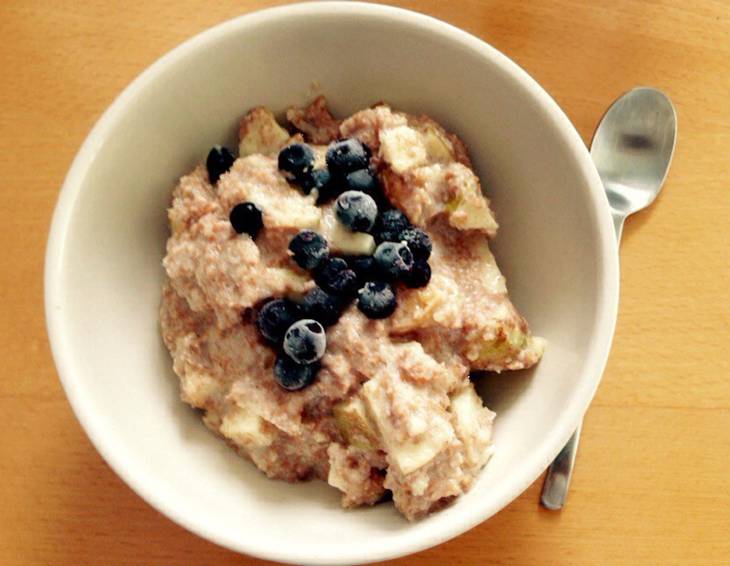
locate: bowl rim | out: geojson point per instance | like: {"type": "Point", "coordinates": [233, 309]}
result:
{"type": "Point", "coordinates": [471, 516]}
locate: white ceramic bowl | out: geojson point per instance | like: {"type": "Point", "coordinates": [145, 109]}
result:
{"type": "Point", "coordinates": [103, 272]}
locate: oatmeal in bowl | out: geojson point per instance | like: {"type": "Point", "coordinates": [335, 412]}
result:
{"type": "Point", "coordinates": [330, 291]}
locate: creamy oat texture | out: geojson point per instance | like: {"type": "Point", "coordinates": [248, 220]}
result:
{"type": "Point", "coordinates": [392, 407]}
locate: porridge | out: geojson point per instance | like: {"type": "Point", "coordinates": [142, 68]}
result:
{"type": "Point", "coordinates": [329, 292]}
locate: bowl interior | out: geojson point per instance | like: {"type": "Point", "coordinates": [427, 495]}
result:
{"type": "Point", "coordinates": [108, 239]}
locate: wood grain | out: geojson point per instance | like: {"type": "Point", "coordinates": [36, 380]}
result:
{"type": "Point", "coordinates": [652, 485]}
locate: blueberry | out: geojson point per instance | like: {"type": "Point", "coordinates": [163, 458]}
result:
{"type": "Point", "coordinates": [419, 275]}
{"type": "Point", "coordinates": [309, 249]}
{"type": "Point", "coordinates": [291, 375]}
{"type": "Point", "coordinates": [365, 180]}
{"type": "Point", "coordinates": [418, 242]}
{"type": "Point", "coordinates": [322, 307]}
{"type": "Point", "coordinates": [316, 179]}
{"type": "Point", "coordinates": [345, 156]}
{"type": "Point", "coordinates": [219, 161]}
{"type": "Point", "coordinates": [337, 278]}
{"type": "Point", "coordinates": [329, 191]}
{"type": "Point", "coordinates": [393, 259]}
{"type": "Point", "coordinates": [377, 299]}
{"type": "Point", "coordinates": [362, 180]}
{"type": "Point", "coordinates": [390, 224]}
{"type": "Point", "coordinates": [296, 160]}
{"type": "Point", "coordinates": [356, 210]}
{"type": "Point", "coordinates": [246, 217]}
{"type": "Point", "coordinates": [364, 267]}
{"type": "Point", "coordinates": [275, 317]}
{"type": "Point", "coordinates": [305, 341]}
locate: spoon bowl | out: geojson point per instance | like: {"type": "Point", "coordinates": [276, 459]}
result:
{"type": "Point", "coordinates": [632, 149]}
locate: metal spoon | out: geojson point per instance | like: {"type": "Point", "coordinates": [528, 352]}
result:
{"type": "Point", "coordinates": [632, 149]}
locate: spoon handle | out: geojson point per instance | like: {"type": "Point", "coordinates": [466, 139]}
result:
{"type": "Point", "coordinates": [557, 479]}
{"type": "Point", "coordinates": [559, 473]}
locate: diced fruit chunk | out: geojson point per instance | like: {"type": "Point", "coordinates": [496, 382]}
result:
{"type": "Point", "coordinates": [430, 430]}
{"type": "Point", "coordinates": [502, 347]}
{"type": "Point", "coordinates": [466, 214]}
{"type": "Point", "coordinates": [342, 240]}
{"type": "Point", "coordinates": [245, 427]}
{"type": "Point", "coordinates": [473, 425]}
{"type": "Point", "coordinates": [402, 147]}
{"type": "Point", "coordinates": [469, 210]}
{"type": "Point", "coordinates": [440, 300]}
{"type": "Point", "coordinates": [437, 145]}
{"type": "Point", "coordinates": [261, 133]}
{"type": "Point", "coordinates": [355, 425]}
{"type": "Point", "coordinates": [198, 386]}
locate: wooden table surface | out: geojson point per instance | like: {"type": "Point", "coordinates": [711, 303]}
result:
{"type": "Point", "coordinates": [652, 484]}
